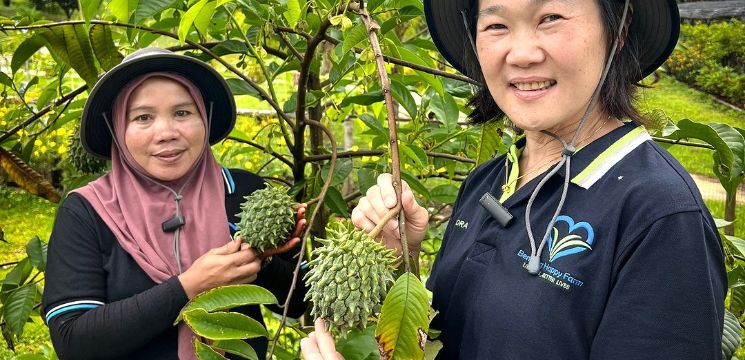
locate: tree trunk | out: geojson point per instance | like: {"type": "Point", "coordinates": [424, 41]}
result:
{"type": "Point", "coordinates": [318, 227]}
{"type": "Point", "coordinates": [348, 186]}
{"type": "Point", "coordinates": [730, 205]}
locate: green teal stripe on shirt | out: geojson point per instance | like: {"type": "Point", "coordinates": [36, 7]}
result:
{"type": "Point", "coordinates": [610, 156]}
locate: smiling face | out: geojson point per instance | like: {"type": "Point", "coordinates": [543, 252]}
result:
{"type": "Point", "coordinates": [164, 132]}
{"type": "Point", "coordinates": [541, 59]}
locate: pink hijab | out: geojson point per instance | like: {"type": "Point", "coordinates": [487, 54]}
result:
{"type": "Point", "coordinates": [134, 206]}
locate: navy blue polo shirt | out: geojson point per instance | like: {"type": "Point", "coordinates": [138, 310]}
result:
{"type": "Point", "coordinates": [633, 268]}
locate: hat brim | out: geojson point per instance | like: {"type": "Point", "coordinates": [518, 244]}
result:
{"type": "Point", "coordinates": [655, 27]}
{"type": "Point", "coordinates": [94, 134]}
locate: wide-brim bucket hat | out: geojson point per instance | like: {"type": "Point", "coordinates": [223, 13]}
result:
{"type": "Point", "coordinates": [95, 135]}
{"type": "Point", "coordinates": [655, 26]}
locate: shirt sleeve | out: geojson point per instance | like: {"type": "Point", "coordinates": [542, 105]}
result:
{"type": "Point", "coordinates": [82, 324]}
{"type": "Point", "coordinates": [667, 296]}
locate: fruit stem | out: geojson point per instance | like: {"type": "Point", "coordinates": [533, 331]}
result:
{"type": "Point", "coordinates": [388, 216]}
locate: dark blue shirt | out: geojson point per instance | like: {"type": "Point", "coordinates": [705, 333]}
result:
{"type": "Point", "coordinates": [634, 268]}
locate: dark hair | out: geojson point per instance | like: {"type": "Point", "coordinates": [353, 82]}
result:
{"type": "Point", "coordinates": [618, 92]}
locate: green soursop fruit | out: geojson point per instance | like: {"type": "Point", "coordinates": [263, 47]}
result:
{"type": "Point", "coordinates": [267, 218]}
{"type": "Point", "coordinates": [348, 278]}
{"type": "Point", "coordinates": [80, 159]}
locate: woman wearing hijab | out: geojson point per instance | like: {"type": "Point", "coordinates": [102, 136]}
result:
{"type": "Point", "coordinates": [587, 240]}
{"type": "Point", "coordinates": [131, 248]}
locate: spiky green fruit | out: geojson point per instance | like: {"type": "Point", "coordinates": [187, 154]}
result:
{"type": "Point", "coordinates": [80, 159]}
{"type": "Point", "coordinates": [348, 278]}
{"type": "Point", "coordinates": [267, 218]}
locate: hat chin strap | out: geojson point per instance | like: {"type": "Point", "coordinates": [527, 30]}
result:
{"type": "Point", "coordinates": [177, 221]}
{"type": "Point", "coordinates": [569, 149]}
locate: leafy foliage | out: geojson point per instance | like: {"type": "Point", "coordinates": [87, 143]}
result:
{"type": "Point", "coordinates": [712, 57]}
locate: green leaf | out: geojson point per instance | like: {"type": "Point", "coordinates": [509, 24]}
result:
{"type": "Point", "coordinates": [121, 9]}
{"type": "Point", "coordinates": [227, 297]}
{"type": "Point", "coordinates": [446, 110]}
{"type": "Point", "coordinates": [205, 352]}
{"type": "Point", "coordinates": [188, 19]}
{"type": "Point", "coordinates": [352, 37]}
{"type": "Point", "coordinates": [731, 335]}
{"type": "Point", "coordinates": [147, 9]}
{"type": "Point", "coordinates": [236, 347]}
{"type": "Point", "coordinates": [335, 201]}
{"type": "Point", "coordinates": [37, 253]}
{"type": "Point", "coordinates": [728, 143]}
{"type": "Point", "coordinates": [202, 21]}
{"type": "Point", "coordinates": [404, 320]}
{"type": "Point", "coordinates": [737, 300]}
{"type": "Point", "coordinates": [230, 47]}
{"type": "Point", "coordinates": [103, 46]}
{"type": "Point", "coordinates": [18, 275]}
{"type": "Point", "coordinates": [17, 308]}
{"type": "Point", "coordinates": [720, 223]}
{"type": "Point", "coordinates": [402, 94]}
{"type": "Point", "coordinates": [738, 243]}
{"type": "Point", "coordinates": [342, 169]}
{"type": "Point", "coordinates": [415, 153]}
{"type": "Point", "coordinates": [431, 349]}
{"type": "Point", "coordinates": [364, 99]}
{"type": "Point", "coordinates": [415, 185]}
{"type": "Point", "coordinates": [241, 87]}
{"type": "Point", "coordinates": [293, 13]}
{"type": "Point", "coordinates": [71, 45]}
{"type": "Point", "coordinates": [358, 344]}
{"type": "Point", "coordinates": [365, 179]}
{"type": "Point", "coordinates": [444, 194]}
{"type": "Point", "coordinates": [25, 50]}
{"type": "Point", "coordinates": [89, 9]}
{"type": "Point", "coordinates": [373, 4]}
{"type": "Point", "coordinates": [5, 79]}
{"type": "Point", "coordinates": [223, 326]}
{"type": "Point", "coordinates": [373, 124]}
{"type": "Point", "coordinates": [488, 143]}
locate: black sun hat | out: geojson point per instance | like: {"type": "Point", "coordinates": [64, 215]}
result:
{"type": "Point", "coordinates": [655, 26]}
{"type": "Point", "coordinates": [95, 135]}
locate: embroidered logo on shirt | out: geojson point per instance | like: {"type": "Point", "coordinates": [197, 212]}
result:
{"type": "Point", "coordinates": [573, 238]}
{"type": "Point", "coordinates": [461, 224]}
{"type": "Point", "coordinates": [578, 238]}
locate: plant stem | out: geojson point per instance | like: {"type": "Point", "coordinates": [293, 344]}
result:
{"type": "Point", "coordinates": [321, 196]}
{"type": "Point", "coordinates": [372, 32]}
{"type": "Point", "coordinates": [361, 153]}
{"type": "Point", "coordinates": [262, 148]}
{"type": "Point", "coordinates": [388, 216]}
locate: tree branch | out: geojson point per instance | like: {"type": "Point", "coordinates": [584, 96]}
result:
{"type": "Point", "coordinates": [389, 59]}
{"type": "Point", "coordinates": [204, 49]}
{"type": "Point", "coordinates": [43, 111]}
{"type": "Point", "coordinates": [681, 142]}
{"type": "Point", "coordinates": [361, 153]}
{"type": "Point", "coordinates": [316, 211]}
{"type": "Point", "coordinates": [372, 33]}
{"type": "Point", "coordinates": [262, 148]}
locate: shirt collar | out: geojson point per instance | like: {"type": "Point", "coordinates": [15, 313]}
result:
{"type": "Point", "coordinates": [591, 162]}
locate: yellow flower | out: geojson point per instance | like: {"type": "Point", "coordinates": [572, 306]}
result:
{"type": "Point", "coordinates": [355, 148]}
{"type": "Point", "coordinates": [62, 149]}
{"type": "Point", "coordinates": [43, 149]}
{"type": "Point", "coordinates": [37, 142]}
